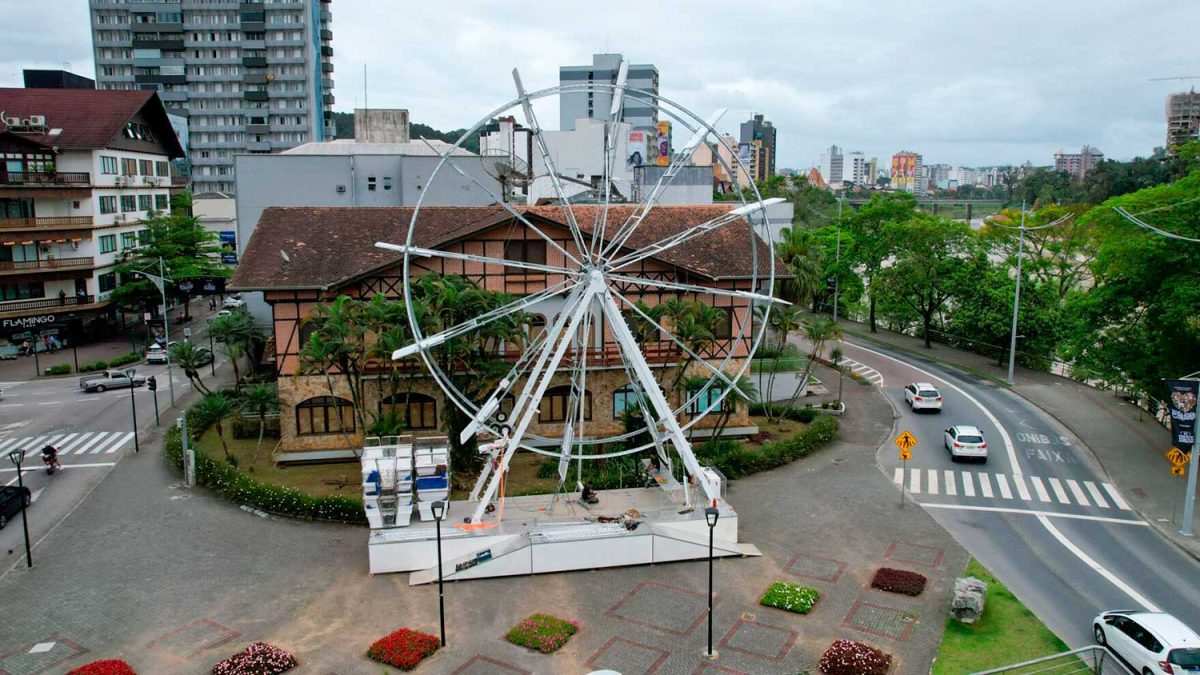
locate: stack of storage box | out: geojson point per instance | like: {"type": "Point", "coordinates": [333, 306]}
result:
{"type": "Point", "coordinates": [387, 481]}
{"type": "Point", "coordinates": [431, 458]}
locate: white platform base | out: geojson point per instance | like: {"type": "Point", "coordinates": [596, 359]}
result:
{"type": "Point", "coordinates": [528, 540]}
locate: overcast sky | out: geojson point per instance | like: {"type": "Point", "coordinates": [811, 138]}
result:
{"type": "Point", "coordinates": [962, 82]}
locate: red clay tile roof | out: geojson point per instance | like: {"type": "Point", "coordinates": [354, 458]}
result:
{"type": "Point", "coordinates": [89, 118]}
{"type": "Point", "coordinates": [325, 247]}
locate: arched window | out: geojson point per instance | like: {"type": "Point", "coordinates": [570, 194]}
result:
{"type": "Point", "coordinates": [624, 399]}
{"type": "Point", "coordinates": [307, 328]}
{"type": "Point", "coordinates": [555, 404]}
{"type": "Point", "coordinates": [324, 415]}
{"type": "Point", "coordinates": [420, 411]}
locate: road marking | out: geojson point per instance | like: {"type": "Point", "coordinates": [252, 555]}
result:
{"type": "Point", "coordinates": [105, 440]}
{"type": "Point", "coordinates": [985, 485]}
{"type": "Point", "coordinates": [933, 481]}
{"type": "Point", "coordinates": [1059, 492]}
{"type": "Point", "coordinates": [898, 477]}
{"type": "Point", "coordinates": [1116, 497]}
{"type": "Point", "coordinates": [74, 440]}
{"type": "Point", "coordinates": [1096, 496]}
{"type": "Point", "coordinates": [914, 485]}
{"type": "Point", "coordinates": [1015, 467]}
{"type": "Point", "coordinates": [5, 444]}
{"type": "Point", "coordinates": [951, 484]}
{"type": "Point", "coordinates": [35, 442]}
{"type": "Point", "coordinates": [84, 447]}
{"type": "Point", "coordinates": [1087, 560]}
{"type": "Point", "coordinates": [93, 465]}
{"type": "Point", "coordinates": [33, 497]}
{"type": "Point", "coordinates": [1040, 489]}
{"type": "Point", "coordinates": [1032, 512]}
{"type": "Point", "coordinates": [1078, 492]}
{"type": "Point", "coordinates": [1021, 489]}
{"type": "Point", "coordinates": [1002, 483]}
{"type": "Point", "coordinates": [968, 485]}
{"type": "Point", "coordinates": [51, 403]}
{"type": "Point", "coordinates": [119, 443]}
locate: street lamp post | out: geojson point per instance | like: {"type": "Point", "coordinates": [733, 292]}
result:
{"type": "Point", "coordinates": [439, 509]}
{"type": "Point", "coordinates": [133, 407]}
{"type": "Point", "coordinates": [160, 283]}
{"type": "Point", "coordinates": [710, 515]}
{"type": "Point", "coordinates": [17, 457]}
{"type": "Point", "coordinates": [212, 349]}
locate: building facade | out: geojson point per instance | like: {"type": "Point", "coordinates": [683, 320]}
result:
{"type": "Point", "coordinates": [832, 166]}
{"type": "Point", "coordinates": [251, 76]}
{"type": "Point", "coordinates": [56, 79]}
{"type": "Point", "coordinates": [759, 134]}
{"type": "Point", "coordinates": [1183, 118]}
{"type": "Point", "coordinates": [908, 173]}
{"type": "Point", "coordinates": [1078, 164]}
{"type": "Point", "coordinates": [80, 170]}
{"type": "Point", "coordinates": [641, 82]}
{"type": "Point", "coordinates": [330, 252]}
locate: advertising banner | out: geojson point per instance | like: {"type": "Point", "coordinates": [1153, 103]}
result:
{"type": "Point", "coordinates": [1181, 401]}
{"type": "Point", "coordinates": [228, 247]}
{"type": "Point", "coordinates": [744, 155]}
{"type": "Point", "coordinates": [664, 144]}
{"type": "Point", "coordinates": [635, 149]}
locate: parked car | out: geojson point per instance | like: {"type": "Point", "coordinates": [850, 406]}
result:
{"type": "Point", "coordinates": [965, 442]}
{"type": "Point", "coordinates": [232, 302]}
{"type": "Point", "coordinates": [12, 498]}
{"type": "Point", "coordinates": [1149, 642]}
{"type": "Point", "coordinates": [9, 352]}
{"type": "Point", "coordinates": [923, 396]}
{"type": "Point", "coordinates": [225, 312]}
{"type": "Point", "coordinates": [109, 379]}
{"type": "Point", "coordinates": [156, 354]}
{"type": "Point", "coordinates": [204, 356]}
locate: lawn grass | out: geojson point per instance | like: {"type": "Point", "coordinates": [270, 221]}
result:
{"type": "Point", "coordinates": [341, 478]}
{"type": "Point", "coordinates": [1006, 633]}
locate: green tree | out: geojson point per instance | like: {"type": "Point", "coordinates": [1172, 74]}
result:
{"type": "Point", "coordinates": [338, 346]}
{"type": "Point", "coordinates": [784, 320]}
{"type": "Point", "coordinates": [818, 332]}
{"type": "Point", "coordinates": [186, 356]}
{"type": "Point", "coordinates": [929, 257]}
{"type": "Point", "coordinates": [239, 336]}
{"type": "Point", "coordinates": [874, 227]}
{"type": "Point", "coordinates": [216, 408]}
{"type": "Point", "coordinates": [260, 400]}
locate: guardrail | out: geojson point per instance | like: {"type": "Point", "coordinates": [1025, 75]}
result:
{"type": "Point", "coordinates": [45, 178]}
{"type": "Point", "coordinates": [47, 303]}
{"type": "Point", "coordinates": [48, 222]}
{"type": "Point", "coordinates": [1093, 659]}
{"type": "Point", "coordinates": [48, 264]}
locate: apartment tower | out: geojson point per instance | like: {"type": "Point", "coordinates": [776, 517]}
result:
{"type": "Point", "coordinates": [641, 80]}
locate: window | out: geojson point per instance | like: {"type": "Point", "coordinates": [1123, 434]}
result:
{"type": "Point", "coordinates": [108, 243]}
{"type": "Point", "coordinates": [553, 407]}
{"type": "Point", "coordinates": [145, 167]}
{"type": "Point", "coordinates": [143, 237]}
{"type": "Point", "coordinates": [128, 167]}
{"type": "Point", "coordinates": [324, 415]}
{"type": "Point", "coordinates": [128, 203]}
{"type": "Point", "coordinates": [624, 399]}
{"type": "Point", "coordinates": [707, 401]}
{"type": "Point", "coordinates": [108, 281]}
{"type": "Point", "coordinates": [723, 330]}
{"type": "Point", "coordinates": [108, 204]}
{"type": "Point", "coordinates": [420, 411]}
{"type": "Point", "coordinates": [526, 251]}
{"type": "Point", "coordinates": [128, 240]}
{"type": "Point", "coordinates": [145, 202]}
{"type": "Point", "coordinates": [22, 291]}
{"type": "Point", "coordinates": [370, 183]}
{"type": "Point", "coordinates": [162, 169]}
{"type": "Point", "coordinates": [108, 165]}
{"type": "Point", "coordinates": [387, 180]}
{"type": "Point", "coordinates": [161, 202]}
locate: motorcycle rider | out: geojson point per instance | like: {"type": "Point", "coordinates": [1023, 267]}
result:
{"type": "Point", "coordinates": [50, 459]}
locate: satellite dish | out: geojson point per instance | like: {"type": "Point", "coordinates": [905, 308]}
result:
{"type": "Point", "coordinates": [510, 171]}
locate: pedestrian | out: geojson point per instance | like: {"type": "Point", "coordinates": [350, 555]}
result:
{"type": "Point", "coordinates": [46, 342]}
{"type": "Point", "coordinates": [26, 348]}
{"type": "Point", "coordinates": [62, 297]}
{"type": "Point", "coordinates": [212, 303]}
{"type": "Point", "coordinates": [54, 343]}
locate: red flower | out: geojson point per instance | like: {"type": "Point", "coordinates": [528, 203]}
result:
{"type": "Point", "coordinates": [898, 581]}
{"type": "Point", "coordinates": [104, 667]}
{"type": "Point", "coordinates": [404, 648]}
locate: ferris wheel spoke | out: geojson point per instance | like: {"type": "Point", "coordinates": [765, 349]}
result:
{"type": "Point", "coordinates": [578, 398]}
{"type": "Point", "coordinates": [503, 388]}
{"type": "Point", "coordinates": [503, 203]}
{"type": "Point", "coordinates": [610, 154]}
{"type": "Point", "coordinates": [484, 319]}
{"type": "Point", "coordinates": [551, 169]}
{"type": "Point", "coordinates": [692, 232]}
{"type": "Point", "coordinates": [468, 257]}
{"type": "Point", "coordinates": [703, 290]}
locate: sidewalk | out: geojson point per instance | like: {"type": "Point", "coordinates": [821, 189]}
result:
{"type": "Point", "coordinates": [1127, 441]}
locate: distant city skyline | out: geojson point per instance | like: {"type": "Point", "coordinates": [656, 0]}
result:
{"type": "Point", "coordinates": [823, 73]}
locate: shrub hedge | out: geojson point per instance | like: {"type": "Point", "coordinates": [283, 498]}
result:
{"type": "Point", "coordinates": [93, 366]}
{"type": "Point", "coordinates": [736, 461]}
{"type": "Point", "coordinates": [246, 426]}
{"type": "Point", "coordinates": [60, 369]}
{"type": "Point", "coordinates": [898, 581]}
{"type": "Point", "coordinates": [542, 632]}
{"type": "Point", "coordinates": [243, 488]}
{"type": "Point", "coordinates": [131, 357]}
{"type": "Point", "coordinates": [259, 658]}
{"type": "Point", "coordinates": [846, 657]}
{"type": "Point", "coordinates": [792, 597]}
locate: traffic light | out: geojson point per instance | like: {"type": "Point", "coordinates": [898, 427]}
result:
{"type": "Point", "coordinates": [152, 383]}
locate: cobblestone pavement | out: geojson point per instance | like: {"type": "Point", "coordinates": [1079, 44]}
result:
{"type": "Point", "coordinates": [173, 580]}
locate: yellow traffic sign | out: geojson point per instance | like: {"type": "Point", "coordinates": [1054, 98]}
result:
{"type": "Point", "coordinates": [905, 455]}
{"type": "Point", "coordinates": [1178, 457]}
{"type": "Point", "coordinates": [1178, 470]}
{"type": "Point", "coordinates": [906, 441]}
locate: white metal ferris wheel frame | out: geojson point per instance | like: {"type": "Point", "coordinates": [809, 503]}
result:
{"type": "Point", "coordinates": [588, 287]}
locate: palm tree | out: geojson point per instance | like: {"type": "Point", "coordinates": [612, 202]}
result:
{"type": "Point", "coordinates": [238, 336]}
{"type": "Point", "coordinates": [818, 332]}
{"type": "Point", "coordinates": [800, 250]}
{"type": "Point", "coordinates": [260, 399]}
{"type": "Point", "coordinates": [186, 356]}
{"type": "Point", "coordinates": [742, 387]}
{"type": "Point", "coordinates": [217, 408]}
{"type": "Point", "coordinates": [836, 357]}
{"type": "Point", "coordinates": [785, 320]}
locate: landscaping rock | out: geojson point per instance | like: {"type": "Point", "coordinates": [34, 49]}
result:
{"type": "Point", "coordinates": [969, 594]}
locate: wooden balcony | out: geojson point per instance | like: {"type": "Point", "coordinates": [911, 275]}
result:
{"type": "Point", "coordinates": [48, 265]}
{"type": "Point", "coordinates": [26, 306]}
{"type": "Point", "coordinates": [47, 223]}
{"type": "Point", "coordinates": [45, 178]}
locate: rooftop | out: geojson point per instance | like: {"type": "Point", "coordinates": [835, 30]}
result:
{"type": "Point", "coordinates": [87, 119]}
{"type": "Point", "coordinates": [417, 148]}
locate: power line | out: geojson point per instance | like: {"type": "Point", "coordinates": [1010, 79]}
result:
{"type": "Point", "coordinates": [1143, 224]}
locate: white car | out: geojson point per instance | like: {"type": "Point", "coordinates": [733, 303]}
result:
{"type": "Point", "coordinates": [232, 303]}
{"type": "Point", "coordinates": [923, 396]}
{"type": "Point", "coordinates": [156, 354]}
{"type": "Point", "coordinates": [1149, 642]}
{"type": "Point", "coordinates": [965, 442]}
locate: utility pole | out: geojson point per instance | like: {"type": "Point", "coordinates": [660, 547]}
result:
{"type": "Point", "coordinates": [160, 282]}
{"type": "Point", "coordinates": [838, 264]}
{"type": "Point", "coordinates": [1012, 344]}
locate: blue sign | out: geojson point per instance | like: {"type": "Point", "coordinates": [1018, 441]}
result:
{"type": "Point", "coordinates": [228, 247]}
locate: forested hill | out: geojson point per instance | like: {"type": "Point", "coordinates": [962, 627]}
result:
{"type": "Point", "coordinates": [345, 129]}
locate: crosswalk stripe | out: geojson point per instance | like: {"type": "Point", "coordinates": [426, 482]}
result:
{"type": "Point", "coordinates": [1040, 489]}
{"type": "Point", "coordinates": [117, 446]}
{"type": "Point", "coordinates": [985, 485]}
{"type": "Point", "coordinates": [933, 481]}
{"type": "Point", "coordinates": [1059, 492]}
{"type": "Point", "coordinates": [1078, 492]}
{"type": "Point", "coordinates": [83, 447]}
{"type": "Point", "coordinates": [951, 485]}
{"type": "Point", "coordinates": [1002, 483]}
{"type": "Point", "coordinates": [1019, 482]}
{"type": "Point", "coordinates": [74, 440]}
{"type": "Point", "coordinates": [914, 485]}
{"type": "Point", "coordinates": [1096, 496]}
{"type": "Point", "coordinates": [968, 485]}
{"type": "Point", "coordinates": [54, 439]}
{"type": "Point", "coordinates": [898, 477]}
{"type": "Point", "coordinates": [110, 438]}
{"type": "Point", "coordinates": [5, 444]}
{"type": "Point", "coordinates": [1116, 497]}
{"type": "Point", "coordinates": [36, 442]}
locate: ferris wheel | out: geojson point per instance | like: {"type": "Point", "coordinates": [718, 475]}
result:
{"type": "Point", "coordinates": [597, 296]}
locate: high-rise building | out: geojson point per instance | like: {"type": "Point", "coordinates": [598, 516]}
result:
{"type": "Point", "coordinates": [1183, 118]}
{"type": "Point", "coordinates": [1078, 164]}
{"type": "Point", "coordinates": [907, 173]}
{"type": "Point", "coordinates": [760, 136]}
{"type": "Point", "coordinates": [56, 79]}
{"type": "Point", "coordinates": [832, 165]}
{"type": "Point", "coordinates": [251, 76]}
{"type": "Point", "coordinates": [637, 110]}
{"type": "Point", "coordinates": [855, 168]}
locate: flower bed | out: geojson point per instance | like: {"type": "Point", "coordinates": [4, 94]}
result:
{"type": "Point", "coordinates": [542, 632]}
{"type": "Point", "coordinates": [792, 597]}
{"type": "Point", "coordinates": [846, 657]}
{"type": "Point", "coordinates": [259, 658]}
{"type": "Point", "coordinates": [104, 667]}
{"type": "Point", "coordinates": [898, 581]}
{"type": "Point", "coordinates": [404, 649]}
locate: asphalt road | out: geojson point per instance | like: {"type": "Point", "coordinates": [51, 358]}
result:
{"type": "Point", "coordinates": [1040, 513]}
{"type": "Point", "coordinates": [94, 431]}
